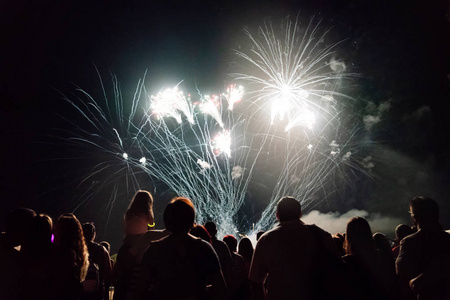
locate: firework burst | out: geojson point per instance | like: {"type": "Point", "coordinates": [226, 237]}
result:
{"type": "Point", "coordinates": [208, 150]}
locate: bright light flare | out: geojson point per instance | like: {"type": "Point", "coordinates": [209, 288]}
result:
{"type": "Point", "coordinates": [211, 106]}
{"type": "Point", "coordinates": [233, 95]}
{"type": "Point", "coordinates": [171, 103]}
{"type": "Point", "coordinates": [222, 143]}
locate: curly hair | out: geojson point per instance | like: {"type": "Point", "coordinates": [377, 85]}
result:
{"type": "Point", "coordinates": [70, 239]}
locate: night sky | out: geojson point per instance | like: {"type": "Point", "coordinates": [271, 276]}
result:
{"type": "Point", "coordinates": [399, 51]}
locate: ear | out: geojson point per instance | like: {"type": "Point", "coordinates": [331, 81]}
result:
{"type": "Point", "coordinates": [278, 218]}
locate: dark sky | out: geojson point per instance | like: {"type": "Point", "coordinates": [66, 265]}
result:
{"type": "Point", "coordinates": [400, 52]}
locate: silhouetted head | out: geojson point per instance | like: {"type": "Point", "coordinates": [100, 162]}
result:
{"type": "Point", "coordinates": [245, 248]}
{"type": "Point", "coordinates": [211, 227]}
{"type": "Point", "coordinates": [201, 232]}
{"type": "Point", "coordinates": [41, 230]}
{"type": "Point", "coordinates": [358, 238]}
{"type": "Point", "coordinates": [288, 209]}
{"type": "Point", "coordinates": [424, 211]}
{"type": "Point", "coordinates": [18, 225]}
{"type": "Point", "coordinates": [402, 231]}
{"type": "Point", "coordinates": [142, 206]}
{"type": "Point", "coordinates": [179, 215]}
{"type": "Point", "coordinates": [89, 231]}
{"type": "Point", "coordinates": [339, 244]}
{"type": "Point", "coordinates": [231, 242]}
{"type": "Point", "coordinates": [382, 242]}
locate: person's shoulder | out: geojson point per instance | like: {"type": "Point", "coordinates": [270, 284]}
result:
{"type": "Point", "coordinates": [201, 243]}
{"type": "Point", "coordinates": [318, 229]}
{"type": "Point", "coordinates": [97, 246]}
{"type": "Point", "coordinates": [220, 243]}
{"type": "Point", "coordinates": [269, 235]}
{"type": "Point", "coordinates": [154, 235]}
{"type": "Point", "coordinates": [238, 258]}
{"type": "Point", "coordinates": [412, 238]}
{"type": "Point", "coordinates": [159, 242]}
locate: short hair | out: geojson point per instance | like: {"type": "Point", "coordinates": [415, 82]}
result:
{"type": "Point", "coordinates": [402, 231]}
{"type": "Point", "coordinates": [288, 209]}
{"type": "Point", "coordinates": [211, 227]}
{"type": "Point", "coordinates": [179, 215]}
{"type": "Point", "coordinates": [18, 224]}
{"type": "Point", "coordinates": [231, 242]}
{"type": "Point", "coordinates": [89, 231]}
{"type": "Point", "coordinates": [201, 232]}
{"type": "Point", "coordinates": [41, 231]}
{"type": "Point", "coordinates": [424, 209]}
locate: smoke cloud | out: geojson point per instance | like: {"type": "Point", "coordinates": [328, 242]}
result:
{"type": "Point", "coordinates": [337, 66]}
{"type": "Point", "coordinates": [236, 172]}
{"type": "Point", "coordinates": [334, 222]}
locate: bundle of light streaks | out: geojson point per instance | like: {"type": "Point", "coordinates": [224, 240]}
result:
{"type": "Point", "coordinates": [291, 73]}
{"type": "Point", "coordinates": [292, 76]}
{"type": "Point", "coordinates": [175, 141]}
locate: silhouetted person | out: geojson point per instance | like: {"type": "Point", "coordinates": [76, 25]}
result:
{"type": "Point", "coordinates": [239, 286]}
{"type": "Point", "coordinates": [18, 223]}
{"type": "Point", "coordinates": [139, 227]}
{"type": "Point", "coordinates": [401, 231]}
{"type": "Point", "coordinates": [226, 262]}
{"type": "Point", "coordinates": [285, 257]}
{"type": "Point", "coordinates": [180, 266]}
{"type": "Point", "coordinates": [201, 232]}
{"type": "Point", "coordinates": [339, 241]}
{"type": "Point", "coordinates": [424, 256]}
{"type": "Point", "coordinates": [245, 249]}
{"type": "Point", "coordinates": [108, 248]}
{"type": "Point", "coordinates": [383, 244]}
{"type": "Point", "coordinates": [99, 256]}
{"type": "Point", "coordinates": [371, 272]}
{"type": "Point", "coordinates": [38, 264]}
{"type": "Point", "coordinates": [72, 260]}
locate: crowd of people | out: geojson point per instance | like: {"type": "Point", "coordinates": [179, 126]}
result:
{"type": "Point", "coordinates": [41, 258]}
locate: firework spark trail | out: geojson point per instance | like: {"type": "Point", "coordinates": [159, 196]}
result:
{"type": "Point", "coordinates": [214, 188]}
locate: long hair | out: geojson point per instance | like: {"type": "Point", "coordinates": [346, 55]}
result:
{"type": "Point", "coordinates": [69, 237]}
{"type": "Point", "coordinates": [359, 240]}
{"type": "Point", "coordinates": [245, 248]}
{"type": "Point", "coordinates": [142, 206]}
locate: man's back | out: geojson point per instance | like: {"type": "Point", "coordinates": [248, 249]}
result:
{"type": "Point", "coordinates": [179, 267]}
{"type": "Point", "coordinates": [426, 252]}
{"type": "Point", "coordinates": [288, 254]}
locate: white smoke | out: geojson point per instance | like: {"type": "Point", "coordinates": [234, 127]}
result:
{"type": "Point", "coordinates": [369, 121]}
{"type": "Point", "coordinates": [418, 114]}
{"type": "Point", "coordinates": [203, 164]}
{"type": "Point", "coordinates": [236, 172]}
{"type": "Point", "coordinates": [376, 114]}
{"type": "Point", "coordinates": [337, 66]}
{"type": "Point", "coordinates": [334, 222]}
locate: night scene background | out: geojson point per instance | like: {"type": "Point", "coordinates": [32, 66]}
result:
{"type": "Point", "coordinates": [398, 52]}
